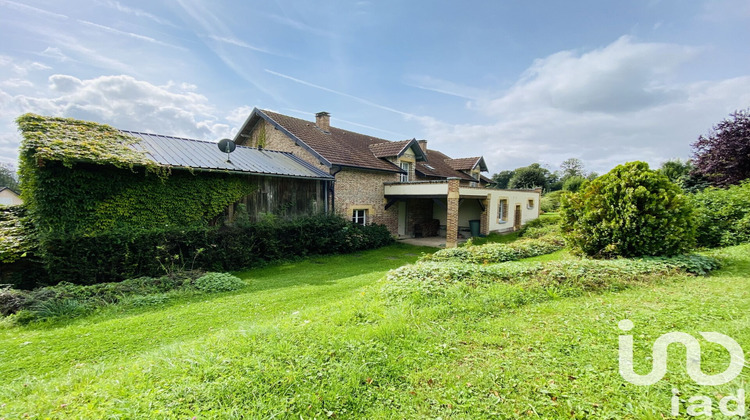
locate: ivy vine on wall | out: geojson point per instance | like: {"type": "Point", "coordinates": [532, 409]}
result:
{"type": "Point", "coordinates": [83, 178]}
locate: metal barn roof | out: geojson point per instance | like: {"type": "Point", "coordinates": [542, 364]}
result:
{"type": "Point", "coordinates": [182, 152]}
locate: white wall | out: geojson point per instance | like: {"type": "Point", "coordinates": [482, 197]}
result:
{"type": "Point", "coordinates": [514, 197]}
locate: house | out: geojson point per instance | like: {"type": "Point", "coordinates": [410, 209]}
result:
{"type": "Point", "coordinates": [9, 197]}
{"type": "Point", "coordinates": [413, 190]}
{"type": "Point", "coordinates": [128, 179]}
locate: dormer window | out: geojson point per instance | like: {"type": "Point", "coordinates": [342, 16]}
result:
{"type": "Point", "coordinates": [406, 167]}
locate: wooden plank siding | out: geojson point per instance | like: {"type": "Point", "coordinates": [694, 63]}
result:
{"type": "Point", "coordinates": [286, 198]}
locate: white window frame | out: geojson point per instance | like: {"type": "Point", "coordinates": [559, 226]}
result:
{"type": "Point", "coordinates": [405, 166]}
{"type": "Point", "coordinates": [530, 203]}
{"type": "Point", "coordinates": [359, 216]}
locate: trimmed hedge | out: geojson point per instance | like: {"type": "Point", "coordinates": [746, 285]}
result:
{"type": "Point", "coordinates": [119, 255]}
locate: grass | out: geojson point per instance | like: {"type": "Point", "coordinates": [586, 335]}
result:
{"type": "Point", "coordinates": [316, 339]}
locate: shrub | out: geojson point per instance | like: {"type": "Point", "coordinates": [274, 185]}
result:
{"type": "Point", "coordinates": [122, 254]}
{"type": "Point", "coordinates": [574, 183]}
{"type": "Point", "coordinates": [723, 215]}
{"type": "Point", "coordinates": [631, 211]}
{"type": "Point", "coordinates": [218, 282]}
{"type": "Point", "coordinates": [547, 226]}
{"type": "Point", "coordinates": [429, 278]}
{"type": "Point", "coordinates": [498, 252]}
{"type": "Point", "coordinates": [550, 202]}
{"type": "Point", "coordinates": [71, 300]}
{"type": "Point", "coordinates": [11, 301]}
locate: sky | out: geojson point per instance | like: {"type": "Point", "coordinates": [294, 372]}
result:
{"type": "Point", "coordinates": [517, 82]}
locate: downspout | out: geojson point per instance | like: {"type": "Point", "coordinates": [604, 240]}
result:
{"type": "Point", "coordinates": [332, 186]}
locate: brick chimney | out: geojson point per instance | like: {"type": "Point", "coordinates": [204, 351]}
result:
{"type": "Point", "coordinates": [423, 145]}
{"type": "Point", "coordinates": [323, 121]}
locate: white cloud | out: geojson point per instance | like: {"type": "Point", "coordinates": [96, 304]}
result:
{"type": "Point", "coordinates": [121, 101]}
{"type": "Point", "coordinates": [621, 77]}
{"type": "Point", "coordinates": [21, 68]}
{"type": "Point", "coordinates": [606, 106]}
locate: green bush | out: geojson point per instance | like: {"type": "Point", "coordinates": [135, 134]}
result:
{"type": "Point", "coordinates": [723, 215]}
{"type": "Point", "coordinates": [550, 202]}
{"type": "Point", "coordinates": [218, 282]}
{"type": "Point", "coordinates": [71, 300]}
{"type": "Point", "coordinates": [631, 211]}
{"type": "Point", "coordinates": [546, 226]}
{"type": "Point", "coordinates": [11, 301]}
{"type": "Point", "coordinates": [429, 278]}
{"type": "Point", "coordinates": [574, 183]}
{"type": "Point", "coordinates": [123, 254]}
{"type": "Point", "coordinates": [498, 252]}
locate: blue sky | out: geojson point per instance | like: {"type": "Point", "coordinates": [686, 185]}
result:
{"type": "Point", "coordinates": [515, 81]}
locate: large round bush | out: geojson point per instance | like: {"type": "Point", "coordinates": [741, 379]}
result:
{"type": "Point", "coordinates": [631, 211]}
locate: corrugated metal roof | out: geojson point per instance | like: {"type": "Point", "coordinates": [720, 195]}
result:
{"type": "Point", "coordinates": [198, 154]}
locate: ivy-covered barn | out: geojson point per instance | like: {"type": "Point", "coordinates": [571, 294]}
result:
{"type": "Point", "coordinates": [83, 178]}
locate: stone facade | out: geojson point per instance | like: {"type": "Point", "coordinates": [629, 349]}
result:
{"type": "Point", "coordinates": [266, 136]}
{"type": "Point", "coordinates": [360, 189]}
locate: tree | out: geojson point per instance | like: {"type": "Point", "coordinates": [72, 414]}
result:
{"type": "Point", "coordinates": [8, 177]}
{"type": "Point", "coordinates": [573, 183]}
{"type": "Point", "coordinates": [676, 170]}
{"type": "Point", "coordinates": [723, 156]}
{"type": "Point", "coordinates": [572, 167]}
{"type": "Point", "coordinates": [530, 177]}
{"type": "Point", "coordinates": [631, 211]}
{"type": "Point", "coordinates": [500, 179]}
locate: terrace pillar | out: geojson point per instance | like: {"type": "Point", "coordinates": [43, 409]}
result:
{"type": "Point", "coordinates": [451, 230]}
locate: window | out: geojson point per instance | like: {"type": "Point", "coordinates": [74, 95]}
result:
{"type": "Point", "coordinates": [531, 204]}
{"type": "Point", "coordinates": [405, 166]}
{"type": "Point", "coordinates": [502, 210]}
{"type": "Point", "coordinates": [359, 216]}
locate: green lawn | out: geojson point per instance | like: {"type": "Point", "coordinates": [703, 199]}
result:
{"type": "Point", "coordinates": [316, 339]}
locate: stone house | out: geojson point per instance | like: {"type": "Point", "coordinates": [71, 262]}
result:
{"type": "Point", "coordinates": [413, 190]}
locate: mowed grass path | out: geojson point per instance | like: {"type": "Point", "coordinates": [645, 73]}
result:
{"type": "Point", "coordinates": [316, 339]}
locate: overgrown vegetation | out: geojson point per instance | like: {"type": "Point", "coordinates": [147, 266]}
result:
{"type": "Point", "coordinates": [631, 211]}
{"type": "Point", "coordinates": [122, 254]}
{"type": "Point", "coordinates": [498, 252]}
{"type": "Point", "coordinates": [67, 300]}
{"type": "Point", "coordinates": [14, 238]}
{"type": "Point", "coordinates": [535, 281]}
{"type": "Point", "coordinates": [723, 215]}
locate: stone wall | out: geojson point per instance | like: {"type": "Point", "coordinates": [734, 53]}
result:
{"type": "Point", "coordinates": [269, 137]}
{"type": "Point", "coordinates": [358, 189]}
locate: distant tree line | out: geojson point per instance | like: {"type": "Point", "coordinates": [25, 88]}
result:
{"type": "Point", "coordinates": [569, 177]}
{"type": "Point", "coordinates": [720, 159]}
